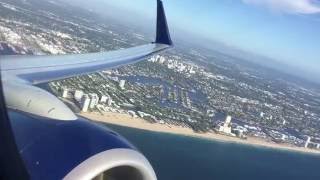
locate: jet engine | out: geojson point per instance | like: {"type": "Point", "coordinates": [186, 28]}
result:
{"type": "Point", "coordinates": [76, 149]}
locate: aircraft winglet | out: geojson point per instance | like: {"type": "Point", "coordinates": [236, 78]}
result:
{"type": "Point", "coordinates": [163, 34]}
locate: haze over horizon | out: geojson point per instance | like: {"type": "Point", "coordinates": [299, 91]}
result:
{"type": "Point", "coordinates": [282, 30]}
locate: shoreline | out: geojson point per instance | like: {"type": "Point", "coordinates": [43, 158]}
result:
{"type": "Point", "coordinates": [138, 123]}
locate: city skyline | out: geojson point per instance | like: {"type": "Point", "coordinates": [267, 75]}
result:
{"type": "Point", "coordinates": [282, 30]}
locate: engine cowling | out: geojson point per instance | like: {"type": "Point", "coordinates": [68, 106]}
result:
{"type": "Point", "coordinates": [77, 149]}
{"type": "Point", "coordinates": [115, 164]}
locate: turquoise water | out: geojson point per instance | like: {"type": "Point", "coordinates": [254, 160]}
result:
{"type": "Point", "coordinates": [177, 157]}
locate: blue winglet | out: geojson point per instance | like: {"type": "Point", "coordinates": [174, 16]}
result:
{"type": "Point", "coordinates": [163, 34]}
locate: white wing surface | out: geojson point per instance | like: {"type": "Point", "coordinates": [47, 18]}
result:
{"type": "Point", "coordinates": [21, 73]}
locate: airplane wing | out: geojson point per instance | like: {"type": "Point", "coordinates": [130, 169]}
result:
{"type": "Point", "coordinates": [40, 69]}
{"type": "Point", "coordinates": [53, 142]}
{"type": "Point", "coordinates": [21, 73]}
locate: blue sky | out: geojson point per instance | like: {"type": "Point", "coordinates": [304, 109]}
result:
{"type": "Point", "coordinates": [285, 30]}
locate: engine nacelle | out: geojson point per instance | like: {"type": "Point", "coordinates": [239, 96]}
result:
{"type": "Point", "coordinates": [115, 164]}
{"type": "Point", "coordinates": [78, 149]}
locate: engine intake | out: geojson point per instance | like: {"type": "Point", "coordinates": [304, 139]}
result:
{"type": "Point", "coordinates": [120, 173]}
{"type": "Point", "coordinates": [115, 164]}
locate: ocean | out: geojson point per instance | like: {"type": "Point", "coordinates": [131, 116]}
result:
{"type": "Point", "coordinates": [176, 157]}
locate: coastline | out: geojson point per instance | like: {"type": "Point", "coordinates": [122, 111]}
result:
{"type": "Point", "coordinates": [138, 123]}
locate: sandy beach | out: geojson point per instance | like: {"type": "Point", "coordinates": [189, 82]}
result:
{"type": "Point", "coordinates": [129, 121]}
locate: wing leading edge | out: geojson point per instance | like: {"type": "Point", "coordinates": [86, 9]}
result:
{"type": "Point", "coordinates": [40, 69]}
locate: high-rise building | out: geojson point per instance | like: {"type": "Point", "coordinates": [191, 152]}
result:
{"type": "Point", "coordinates": [228, 120]}
{"type": "Point", "coordinates": [65, 93]}
{"type": "Point", "coordinates": [109, 102]}
{"type": "Point", "coordinates": [161, 60]}
{"type": "Point", "coordinates": [284, 122]}
{"type": "Point", "coordinates": [94, 100]}
{"type": "Point", "coordinates": [307, 142]}
{"type": "Point", "coordinates": [85, 102]}
{"type": "Point", "coordinates": [78, 95]}
{"type": "Point", "coordinates": [122, 83]}
{"type": "Point", "coordinates": [226, 127]}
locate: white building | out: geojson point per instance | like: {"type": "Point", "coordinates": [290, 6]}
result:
{"type": "Point", "coordinates": [226, 126]}
{"type": "Point", "coordinates": [284, 122]}
{"type": "Point", "coordinates": [191, 71]}
{"type": "Point", "coordinates": [284, 137]}
{"type": "Point", "coordinates": [152, 59]}
{"type": "Point", "coordinates": [116, 79]}
{"type": "Point", "coordinates": [307, 142]}
{"type": "Point", "coordinates": [170, 66]}
{"type": "Point", "coordinates": [85, 102]}
{"type": "Point", "coordinates": [159, 59]}
{"type": "Point", "coordinates": [104, 98]}
{"type": "Point", "coordinates": [94, 100]}
{"type": "Point", "coordinates": [108, 72]}
{"type": "Point", "coordinates": [181, 68]}
{"type": "Point", "coordinates": [65, 93]}
{"type": "Point", "coordinates": [122, 83]}
{"type": "Point", "coordinates": [78, 95]}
